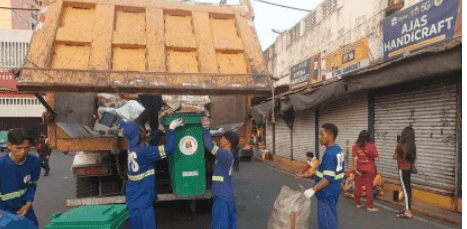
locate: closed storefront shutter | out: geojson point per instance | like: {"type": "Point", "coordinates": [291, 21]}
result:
{"type": "Point", "coordinates": [303, 134]}
{"type": "Point", "coordinates": [430, 108]}
{"type": "Point", "coordinates": [350, 115]}
{"type": "Point", "coordinates": [269, 138]}
{"type": "Point", "coordinates": [283, 141]}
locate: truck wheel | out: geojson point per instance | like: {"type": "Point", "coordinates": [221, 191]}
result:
{"type": "Point", "coordinates": [87, 187]}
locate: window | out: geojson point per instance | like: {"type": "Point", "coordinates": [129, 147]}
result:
{"type": "Point", "coordinates": [293, 34]}
{"type": "Point", "coordinates": [310, 21]}
{"type": "Point", "coordinates": [20, 18]}
{"type": "Point", "coordinates": [26, 6]}
{"type": "Point", "coordinates": [13, 13]}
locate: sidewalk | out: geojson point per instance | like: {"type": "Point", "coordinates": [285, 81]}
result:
{"type": "Point", "coordinates": [417, 207]}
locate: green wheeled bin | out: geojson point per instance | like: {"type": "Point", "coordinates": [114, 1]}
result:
{"type": "Point", "coordinates": [187, 165]}
{"type": "Point", "coordinates": [92, 217]}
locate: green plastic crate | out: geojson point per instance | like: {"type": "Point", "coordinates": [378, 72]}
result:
{"type": "Point", "coordinates": [187, 165]}
{"type": "Point", "coordinates": [91, 216]}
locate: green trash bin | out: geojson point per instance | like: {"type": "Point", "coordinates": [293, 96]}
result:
{"type": "Point", "coordinates": [91, 216]}
{"type": "Point", "coordinates": [187, 165]}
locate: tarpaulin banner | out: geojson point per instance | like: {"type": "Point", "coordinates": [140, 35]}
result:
{"type": "Point", "coordinates": [306, 72]}
{"type": "Point", "coordinates": [425, 23]}
{"type": "Point", "coordinates": [348, 58]}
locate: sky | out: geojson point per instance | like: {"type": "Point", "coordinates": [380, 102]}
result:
{"type": "Point", "coordinates": [269, 17]}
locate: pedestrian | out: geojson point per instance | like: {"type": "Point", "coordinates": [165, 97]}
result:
{"type": "Point", "coordinates": [328, 178]}
{"type": "Point", "coordinates": [348, 185]}
{"type": "Point", "coordinates": [405, 154]}
{"type": "Point", "coordinates": [141, 185]}
{"type": "Point", "coordinates": [19, 173]}
{"type": "Point", "coordinates": [309, 170]}
{"type": "Point", "coordinates": [44, 153]}
{"type": "Point", "coordinates": [364, 155]}
{"type": "Point", "coordinates": [224, 210]}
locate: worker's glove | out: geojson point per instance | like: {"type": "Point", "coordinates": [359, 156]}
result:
{"type": "Point", "coordinates": [309, 193]}
{"type": "Point", "coordinates": [176, 123]}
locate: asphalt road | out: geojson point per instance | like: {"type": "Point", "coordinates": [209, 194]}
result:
{"type": "Point", "coordinates": [257, 188]}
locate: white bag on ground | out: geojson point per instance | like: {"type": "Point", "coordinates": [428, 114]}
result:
{"type": "Point", "coordinates": [289, 201]}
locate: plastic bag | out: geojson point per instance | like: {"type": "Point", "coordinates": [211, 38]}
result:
{"type": "Point", "coordinates": [289, 201]}
{"type": "Point", "coordinates": [130, 111]}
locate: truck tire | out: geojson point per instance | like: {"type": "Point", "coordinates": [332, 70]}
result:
{"type": "Point", "coordinates": [87, 187]}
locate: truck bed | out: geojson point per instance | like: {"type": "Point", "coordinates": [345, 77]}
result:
{"type": "Point", "coordinates": [144, 47]}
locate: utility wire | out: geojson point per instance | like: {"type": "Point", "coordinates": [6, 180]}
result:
{"type": "Point", "coordinates": [26, 9]}
{"type": "Point", "coordinates": [289, 7]}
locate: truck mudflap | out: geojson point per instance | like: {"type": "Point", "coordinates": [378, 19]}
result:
{"type": "Point", "coordinates": [121, 199]}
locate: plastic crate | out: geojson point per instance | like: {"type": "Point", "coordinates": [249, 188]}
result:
{"type": "Point", "coordinates": [91, 216]}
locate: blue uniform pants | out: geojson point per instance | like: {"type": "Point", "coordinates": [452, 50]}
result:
{"type": "Point", "coordinates": [30, 215]}
{"type": "Point", "coordinates": [142, 218]}
{"type": "Point", "coordinates": [327, 215]}
{"type": "Point", "coordinates": [224, 214]}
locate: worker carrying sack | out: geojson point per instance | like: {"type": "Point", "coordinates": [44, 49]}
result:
{"type": "Point", "coordinates": [289, 201]}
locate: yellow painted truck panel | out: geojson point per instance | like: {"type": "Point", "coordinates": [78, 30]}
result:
{"type": "Point", "coordinates": [145, 46]}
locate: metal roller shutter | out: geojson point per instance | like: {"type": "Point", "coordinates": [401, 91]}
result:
{"type": "Point", "coordinates": [269, 137]}
{"type": "Point", "coordinates": [431, 110]}
{"type": "Point", "coordinates": [283, 141]}
{"type": "Point", "coordinates": [350, 115]}
{"type": "Point", "coordinates": [303, 134]}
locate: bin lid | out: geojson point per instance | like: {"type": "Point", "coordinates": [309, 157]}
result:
{"type": "Point", "coordinates": [91, 215]}
{"type": "Point", "coordinates": [188, 118]}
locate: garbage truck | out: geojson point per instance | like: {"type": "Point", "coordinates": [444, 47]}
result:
{"type": "Point", "coordinates": [86, 56]}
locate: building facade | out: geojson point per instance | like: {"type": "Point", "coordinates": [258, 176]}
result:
{"type": "Point", "coordinates": [377, 65]}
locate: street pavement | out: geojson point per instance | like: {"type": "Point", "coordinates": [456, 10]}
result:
{"type": "Point", "coordinates": [257, 188]}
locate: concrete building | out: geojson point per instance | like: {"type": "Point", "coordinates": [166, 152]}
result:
{"type": "Point", "coordinates": [16, 18]}
{"type": "Point", "coordinates": [378, 65]}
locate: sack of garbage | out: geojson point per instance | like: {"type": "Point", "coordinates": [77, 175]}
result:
{"type": "Point", "coordinates": [289, 201]}
{"type": "Point", "coordinates": [186, 103]}
{"type": "Point", "coordinates": [131, 110]}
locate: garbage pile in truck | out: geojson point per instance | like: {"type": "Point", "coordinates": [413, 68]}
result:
{"type": "Point", "coordinates": [112, 108]}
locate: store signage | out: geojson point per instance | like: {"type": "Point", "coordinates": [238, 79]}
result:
{"type": "Point", "coordinates": [425, 23]}
{"type": "Point", "coordinates": [306, 72]}
{"type": "Point", "coordinates": [347, 59]}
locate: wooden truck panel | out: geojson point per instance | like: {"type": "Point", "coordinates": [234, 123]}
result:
{"type": "Point", "coordinates": [144, 47]}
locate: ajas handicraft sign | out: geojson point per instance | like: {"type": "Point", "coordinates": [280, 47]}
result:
{"type": "Point", "coordinates": [426, 23]}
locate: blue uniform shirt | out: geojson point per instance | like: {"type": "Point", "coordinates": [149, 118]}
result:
{"type": "Point", "coordinates": [332, 168]}
{"type": "Point", "coordinates": [18, 182]}
{"type": "Point", "coordinates": [141, 185]}
{"type": "Point", "coordinates": [222, 184]}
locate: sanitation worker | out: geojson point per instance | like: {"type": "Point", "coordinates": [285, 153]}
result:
{"type": "Point", "coordinates": [224, 210]}
{"type": "Point", "coordinates": [328, 178]}
{"type": "Point", "coordinates": [19, 172]}
{"type": "Point", "coordinates": [141, 186]}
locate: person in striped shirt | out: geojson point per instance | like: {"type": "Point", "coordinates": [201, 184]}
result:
{"type": "Point", "coordinates": [328, 179]}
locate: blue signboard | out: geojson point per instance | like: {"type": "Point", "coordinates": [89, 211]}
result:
{"type": "Point", "coordinates": [425, 23]}
{"type": "Point", "coordinates": [300, 74]}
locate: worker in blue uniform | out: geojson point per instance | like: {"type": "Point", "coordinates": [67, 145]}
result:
{"type": "Point", "coordinates": [224, 210]}
{"type": "Point", "coordinates": [19, 173]}
{"type": "Point", "coordinates": [328, 178]}
{"type": "Point", "coordinates": [141, 186]}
